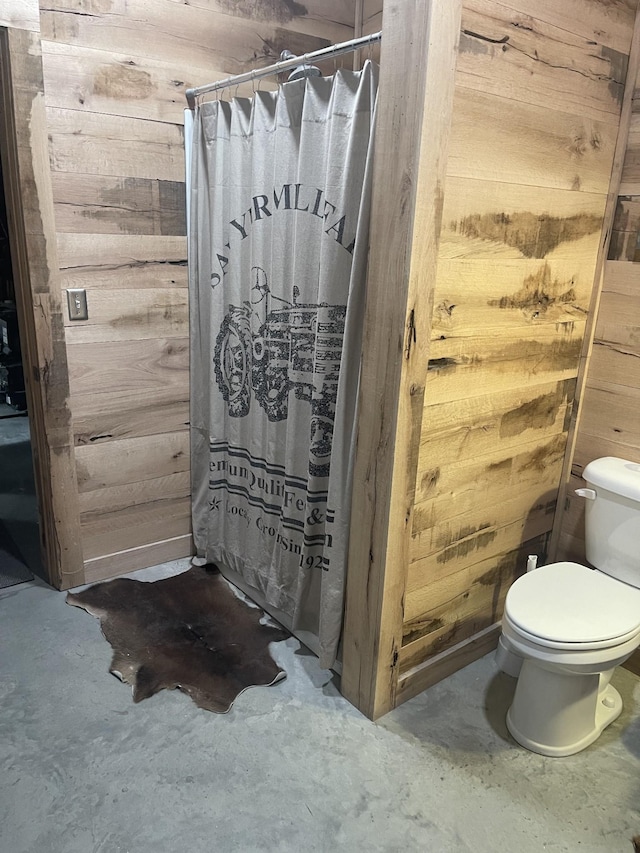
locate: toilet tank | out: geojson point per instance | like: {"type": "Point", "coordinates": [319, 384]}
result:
{"type": "Point", "coordinates": [612, 518]}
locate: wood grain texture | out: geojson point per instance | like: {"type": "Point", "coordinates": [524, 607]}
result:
{"type": "Point", "coordinates": [21, 14]}
{"type": "Point", "coordinates": [97, 204]}
{"type": "Point", "coordinates": [191, 35]}
{"type": "Point", "coordinates": [138, 365]}
{"type": "Point", "coordinates": [83, 142]}
{"type": "Point", "coordinates": [534, 140]}
{"type": "Point", "coordinates": [132, 460]}
{"type": "Point", "coordinates": [116, 74]}
{"type": "Point", "coordinates": [430, 671]}
{"type": "Point", "coordinates": [562, 149]}
{"type": "Point", "coordinates": [122, 261]}
{"type": "Point", "coordinates": [123, 315]}
{"type": "Point", "coordinates": [130, 560]}
{"type": "Point", "coordinates": [129, 414]}
{"type": "Point", "coordinates": [135, 526]}
{"type": "Point", "coordinates": [411, 153]}
{"type": "Point", "coordinates": [607, 423]}
{"type": "Point", "coordinates": [492, 423]}
{"type": "Point", "coordinates": [522, 51]}
{"type": "Point", "coordinates": [23, 142]}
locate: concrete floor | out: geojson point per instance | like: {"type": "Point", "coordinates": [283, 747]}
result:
{"type": "Point", "coordinates": [291, 768]}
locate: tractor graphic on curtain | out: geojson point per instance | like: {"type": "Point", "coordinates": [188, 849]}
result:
{"type": "Point", "coordinates": [279, 211]}
{"type": "Point", "coordinates": [295, 346]}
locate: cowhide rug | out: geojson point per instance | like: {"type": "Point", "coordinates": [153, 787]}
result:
{"type": "Point", "coordinates": [188, 631]}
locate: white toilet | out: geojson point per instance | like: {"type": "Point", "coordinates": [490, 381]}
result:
{"type": "Point", "coordinates": [566, 627]}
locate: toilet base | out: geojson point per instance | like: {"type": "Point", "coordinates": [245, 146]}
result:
{"type": "Point", "coordinates": [558, 714]}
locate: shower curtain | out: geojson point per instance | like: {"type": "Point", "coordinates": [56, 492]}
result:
{"type": "Point", "coordinates": [279, 208]}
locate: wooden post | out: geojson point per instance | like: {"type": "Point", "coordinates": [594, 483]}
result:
{"type": "Point", "coordinates": [25, 158]}
{"type": "Point", "coordinates": [418, 58]}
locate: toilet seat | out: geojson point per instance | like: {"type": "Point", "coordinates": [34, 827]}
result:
{"type": "Point", "coordinates": [568, 606]}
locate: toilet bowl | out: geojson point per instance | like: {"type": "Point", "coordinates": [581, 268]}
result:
{"type": "Point", "coordinates": [570, 626]}
{"type": "Point", "coordinates": [566, 627]}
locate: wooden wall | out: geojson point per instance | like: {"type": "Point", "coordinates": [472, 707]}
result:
{"type": "Point", "coordinates": [609, 421]}
{"type": "Point", "coordinates": [20, 14]}
{"type": "Point", "coordinates": [115, 75]}
{"type": "Point", "coordinates": [538, 95]}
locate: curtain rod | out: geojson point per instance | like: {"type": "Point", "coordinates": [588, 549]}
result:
{"type": "Point", "coordinates": [284, 65]}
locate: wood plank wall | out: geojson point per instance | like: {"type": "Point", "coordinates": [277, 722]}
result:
{"type": "Point", "coordinates": [115, 75]}
{"type": "Point", "coordinates": [535, 120]}
{"type": "Point", "coordinates": [31, 227]}
{"type": "Point", "coordinates": [609, 423]}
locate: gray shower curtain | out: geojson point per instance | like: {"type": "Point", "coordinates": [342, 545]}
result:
{"type": "Point", "coordinates": [278, 243]}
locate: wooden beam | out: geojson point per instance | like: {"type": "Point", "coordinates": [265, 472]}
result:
{"type": "Point", "coordinates": [419, 51]}
{"type": "Point", "coordinates": [24, 151]}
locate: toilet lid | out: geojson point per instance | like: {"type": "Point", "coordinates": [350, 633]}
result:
{"type": "Point", "coordinates": [566, 603]}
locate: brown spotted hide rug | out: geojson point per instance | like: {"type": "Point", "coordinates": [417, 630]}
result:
{"type": "Point", "coordinates": [188, 631]}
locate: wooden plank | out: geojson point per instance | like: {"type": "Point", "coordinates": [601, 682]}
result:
{"type": "Point", "coordinates": [617, 359]}
{"type": "Point", "coordinates": [125, 495]}
{"type": "Point", "coordinates": [319, 12]}
{"type": "Point", "coordinates": [630, 178]}
{"type": "Point", "coordinates": [475, 294]}
{"type": "Point", "coordinates": [450, 491]}
{"type": "Point", "coordinates": [81, 78]}
{"type": "Point", "coordinates": [492, 361]}
{"type": "Point", "coordinates": [504, 220]}
{"type": "Point", "coordinates": [539, 147]}
{"type": "Point", "coordinates": [422, 600]}
{"type": "Point", "coordinates": [615, 362]}
{"type": "Point", "coordinates": [129, 414]}
{"type": "Point", "coordinates": [120, 530]}
{"type": "Point", "coordinates": [469, 616]}
{"type": "Point", "coordinates": [409, 170]}
{"type": "Point", "coordinates": [128, 365]}
{"type": "Point", "coordinates": [620, 277]}
{"type": "Point", "coordinates": [609, 23]}
{"type": "Point", "coordinates": [467, 538]}
{"type": "Point", "coordinates": [428, 673]}
{"type": "Point", "coordinates": [23, 143]}
{"type": "Point", "coordinates": [201, 37]}
{"type": "Point", "coordinates": [611, 413]}
{"type": "Point", "coordinates": [423, 573]}
{"type": "Point", "coordinates": [21, 14]}
{"type": "Point", "coordinates": [596, 446]}
{"type": "Point", "coordinates": [625, 233]}
{"type": "Point", "coordinates": [517, 51]}
{"type": "Point", "coordinates": [475, 426]}
{"type": "Point", "coordinates": [97, 204]}
{"type": "Point", "coordinates": [123, 315]}
{"type": "Point", "coordinates": [132, 460]}
{"type": "Point", "coordinates": [151, 554]}
{"type": "Point", "coordinates": [116, 261]}
{"type": "Point", "coordinates": [90, 143]}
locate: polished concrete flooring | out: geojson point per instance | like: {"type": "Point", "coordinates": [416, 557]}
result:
{"type": "Point", "coordinates": [291, 768]}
